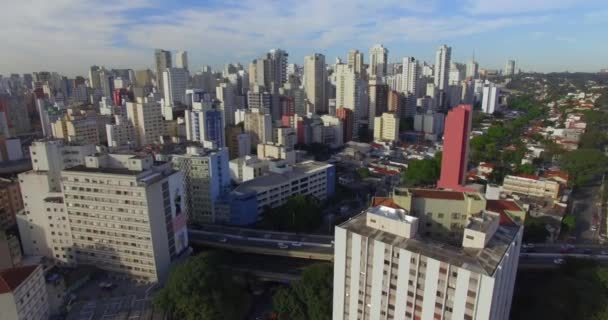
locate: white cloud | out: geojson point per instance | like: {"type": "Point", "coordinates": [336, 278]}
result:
{"type": "Point", "coordinates": [70, 35]}
{"type": "Point", "coordinates": [522, 6]}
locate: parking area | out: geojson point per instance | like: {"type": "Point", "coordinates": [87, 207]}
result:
{"type": "Point", "coordinates": [117, 299]}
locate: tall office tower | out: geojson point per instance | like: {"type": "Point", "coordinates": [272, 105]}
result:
{"type": "Point", "coordinates": [253, 72]}
{"type": "Point", "coordinates": [232, 140]}
{"type": "Point", "coordinates": [351, 94]}
{"type": "Point", "coordinates": [489, 100]}
{"type": "Point", "coordinates": [457, 73]}
{"type": "Point", "coordinates": [456, 148]}
{"type": "Point", "coordinates": [386, 127]}
{"type": "Point", "coordinates": [106, 80]}
{"type": "Point", "coordinates": [162, 60]}
{"type": "Point", "coordinates": [315, 81]}
{"type": "Point", "coordinates": [44, 225]}
{"type": "Point", "coordinates": [261, 100]}
{"type": "Point", "coordinates": [175, 85]}
{"type": "Point", "coordinates": [278, 66]}
{"type": "Point", "coordinates": [205, 80]}
{"type": "Point", "coordinates": [143, 78]}
{"type": "Point", "coordinates": [181, 59]}
{"type": "Point", "coordinates": [206, 179]}
{"type": "Point", "coordinates": [411, 75]}
{"type": "Point", "coordinates": [146, 117]}
{"type": "Point", "coordinates": [77, 126]}
{"type": "Point", "coordinates": [120, 134]}
{"type": "Point", "coordinates": [94, 81]}
{"type": "Point", "coordinates": [126, 214]}
{"type": "Point", "coordinates": [442, 67]}
{"type": "Point", "coordinates": [23, 292]}
{"type": "Point", "coordinates": [472, 69]}
{"type": "Point", "coordinates": [356, 62]}
{"type": "Point", "coordinates": [293, 101]}
{"type": "Point", "coordinates": [10, 203]}
{"type": "Point", "coordinates": [378, 59]}
{"type": "Point", "coordinates": [259, 126]}
{"type": "Point", "coordinates": [347, 118]}
{"type": "Point", "coordinates": [225, 93]}
{"type": "Point", "coordinates": [510, 68]}
{"type": "Point", "coordinates": [204, 123]}
{"type": "Point", "coordinates": [285, 136]}
{"type": "Point", "coordinates": [426, 254]}
{"type": "Point", "coordinates": [378, 100]}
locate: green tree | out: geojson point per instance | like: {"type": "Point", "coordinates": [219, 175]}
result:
{"type": "Point", "coordinates": [526, 168]}
{"type": "Point", "coordinates": [421, 172]}
{"type": "Point", "coordinates": [300, 214]}
{"type": "Point", "coordinates": [309, 298]}
{"type": "Point", "coordinates": [583, 164]}
{"type": "Point", "coordinates": [569, 222]}
{"type": "Point", "coordinates": [199, 289]}
{"type": "Point", "coordinates": [363, 173]}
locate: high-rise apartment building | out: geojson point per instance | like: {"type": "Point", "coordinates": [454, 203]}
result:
{"type": "Point", "coordinates": [225, 93]}
{"type": "Point", "coordinates": [206, 178]}
{"type": "Point", "coordinates": [411, 74]}
{"type": "Point", "coordinates": [10, 203]}
{"type": "Point", "coordinates": [126, 214]}
{"type": "Point", "coordinates": [205, 124]}
{"type": "Point", "coordinates": [315, 81]}
{"type": "Point", "coordinates": [351, 93]}
{"type": "Point", "coordinates": [143, 78]}
{"type": "Point", "coordinates": [77, 125]}
{"type": "Point", "coordinates": [456, 148]}
{"type": "Point", "coordinates": [94, 81]}
{"type": "Point", "coordinates": [44, 224]}
{"type": "Point", "coordinates": [269, 70]}
{"type": "Point", "coordinates": [348, 122]}
{"type": "Point", "coordinates": [259, 126]}
{"type": "Point", "coordinates": [510, 68]}
{"type": "Point", "coordinates": [378, 60]}
{"type": "Point", "coordinates": [175, 84]}
{"type": "Point", "coordinates": [356, 62]}
{"type": "Point", "coordinates": [162, 61]}
{"type": "Point", "coordinates": [23, 294]}
{"type": "Point", "coordinates": [181, 60]}
{"type": "Point", "coordinates": [489, 99]}
{"type": "Point", "coordinates": [121, 134]}
{"type": "Point", "coordinates": [378, 100]}
{"type": "Point", "coordinates": [442, 67]}
{"type": "Point", "coordinates": [386, 127]}
{"type": "Point", "coordinates": [147, 119]}
{"type": "Point", "coordinates": [426, 254]}
{"type": "Point", "coordinates": [472, 69]}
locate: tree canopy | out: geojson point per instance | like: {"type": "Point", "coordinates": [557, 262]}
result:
{"type": "Point", "coordinates": [422, 172]}
{"type": "Point", "coordinates": [583, 164]}
{"type": "Point", "coordinates": [309, 298]}
{"type": "Point", "coordinates": [199, 289]}
{"type": "Point", "coordinates": [300, 214]}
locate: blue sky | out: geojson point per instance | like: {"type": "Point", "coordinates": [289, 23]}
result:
{"type": "Point", "coordinates": [70, 35]}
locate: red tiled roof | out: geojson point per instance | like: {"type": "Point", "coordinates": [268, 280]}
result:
{"type": "Point", "coordinates": [500, 206]}
{"type": "Point", "coordinates": [437, 194]}
{"type": "Point", "coordinates": [11, 278]}
{"type": "Point", "coordinates": [385, 201]}
{"type": "Point", "coordinates": [560, 174]}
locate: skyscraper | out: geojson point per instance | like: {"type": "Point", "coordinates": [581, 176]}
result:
{"type": "Point", "coordinates": [489, 98]}
{"type": "Point", "coordinates": [355, 61]}
{"type": "Point", "coordinates": [147, 119]}
{"type": "Point", "coordinates": [162, 60]}
{"type": "Point", "coordinates": [351, 93]}
{"type": "Point", "coordinates": [378, 59]}
{"type": "Point", "coordinates": [510, 68]}
{"type": "Point", "coordinates": [378, 100]}
{"type": "Point", "coordinates": [181, 59]}
{"type": "Point", "coordinates": [225, 93]}
{"type": "Point", "coordinates": [456, 148]}
{"type": "Point", "coordinates": [94, 81]}
{"type": "Point", "coordinates": [175, 83]}
{"type": "Point", "coordinates": [411, 74]}
{"type": "Point", "coordinates": [315, 81]}
{"type": "Point", "coordinates": [442, 67]}
{"type": "Point", "coordinates": [472, 69]}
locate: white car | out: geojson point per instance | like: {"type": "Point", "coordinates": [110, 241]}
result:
{"type": "Point", "coordinates": [593, 228]}
{"type": "Point", "coordinates": [282, 245]}
{"type": "Point", "coordinates": [296, 244]}
{"type": "Point", "coordinates": [559, 261]}
{"type": "Point", "coordinates": [223, 239]}
{"type": "Point", "coordinates": [528, 245]}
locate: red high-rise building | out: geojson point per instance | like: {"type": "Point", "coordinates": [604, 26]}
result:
{"type": "Point", "coordinates": [346, 115]}
{"type": "Point", "coordinates": [456, 148]}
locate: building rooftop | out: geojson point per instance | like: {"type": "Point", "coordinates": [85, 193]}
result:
{"type": "Point", "coordinates": [483, 261]}
{"type": "Point", "coordinates": [11, 278]}
{"type": "Point", "coordinates": [262, 183]}
{"type": "Point", "coordinates": [390, 213]}
{"type": "Point", "coordinates": [437, 194]}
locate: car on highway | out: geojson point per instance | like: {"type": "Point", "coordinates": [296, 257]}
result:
{"type": "Point", "coordinates": [559, 261]}
{"type": "Point", "coordinates": [587, 251]}
{"type": "Point", "coordinates": [282, 245]}
{"type": "Point", "coordinates": [604, 252]}
{"type": "Point", "coordinates": [296, 244]}
{"type": "Point", "coordinates": [527, 245]}
{"type": "Point", "coordinates": [223, 240]}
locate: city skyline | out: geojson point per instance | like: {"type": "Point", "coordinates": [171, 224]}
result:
{"type": "Point", "coordinates": [68, 36]}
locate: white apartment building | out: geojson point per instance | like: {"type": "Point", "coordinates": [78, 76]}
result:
{"type": "Point", "coordinates": [120, 134]}
{"type": "Point", "coordinates": [175, 84]}
{"type": "Point", "coordinates": [351, 93]}
{"type": "Point", "coordinates": [531, 186]}
{"type": "Point", "coordinates": [386, 127]}
{"type": "Point", "coordinates": [225, 93]}
{"type": "Point", "coordinates": [283, 181]}
{"type": "Point", "coordinates": [23, 294]}
{"type": "Point", "coordinates": [472, 69]}
{"type": "Point", "coordinates": [206, 178]}
{"type": "Point", "coordinates": [274, 151]}
{"type": "Point", "coordinates": [378, 60]}
{"type": "Point", "coordinates": [410, 76]}
{"type": "Point", "coordinates": [386, 267]}
{"type": "Point", "coordinates": [315, 81]}
{"type": "Point", "coordinates": [489, 100]}
{"type": "Point", "coordinates": [259, 126]}
{"type": "Point", "coordinates": [44, 225]}
{"type": "Point", "coordinates": [181, 59]}
{"type": "Point", "coordinates": [127, 214]}
{"type": "Point", "coordinates": [509, 68]}
{"type": "Point", "coordinates": [146, 117]}
{"type": "Point", "coordinates": [442, 67]}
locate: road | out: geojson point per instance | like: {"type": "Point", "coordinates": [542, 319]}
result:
{"type": "Point", "coordinates": [586, 206]}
